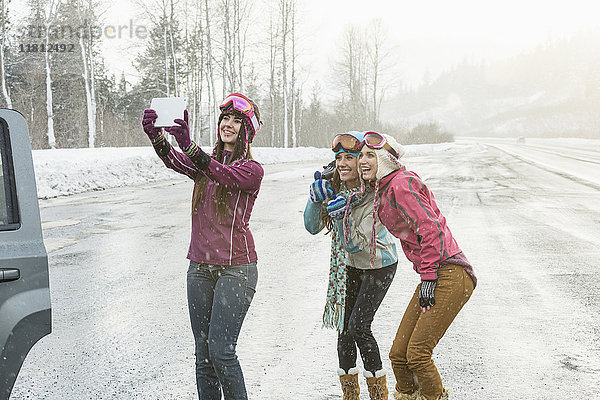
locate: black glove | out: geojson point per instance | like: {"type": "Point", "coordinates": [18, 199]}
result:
{"type": "Point", "coordinates": [426, 299]}
{"type": "Point", "coordinates": [328, 171]}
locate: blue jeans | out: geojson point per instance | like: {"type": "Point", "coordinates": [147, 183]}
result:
{"type": "Point", "coordinates": [218, 299]}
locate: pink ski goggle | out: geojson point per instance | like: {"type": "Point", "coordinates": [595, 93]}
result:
{"type": "Point", "coordinates": [374, 140]}
{"type": "Point", "coordinates": [241, 103]}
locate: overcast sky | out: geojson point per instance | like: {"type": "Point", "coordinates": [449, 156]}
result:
{"type": "Point", "coordinates": [437, 34]}
{"type": "Point", "coordinates": [428, 35]}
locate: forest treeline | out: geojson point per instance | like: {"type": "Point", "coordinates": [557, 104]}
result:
{"type": "Point", "coordinates": [53, 71]}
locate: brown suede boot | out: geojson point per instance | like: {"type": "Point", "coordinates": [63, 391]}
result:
{"type": "Point", "coordinates": [406, 396]}
{"type": "Point", "coordinates": [377, 385]}
{"type": "Point", "coordinates": [349, 381]}
{"type": "Point", "coordinates": [444, 396]}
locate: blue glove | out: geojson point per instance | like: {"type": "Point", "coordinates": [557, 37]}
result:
{"type": "Point", "coordinates": [320, 190]}
{"type": "Point", "coordinates": [336, 208]}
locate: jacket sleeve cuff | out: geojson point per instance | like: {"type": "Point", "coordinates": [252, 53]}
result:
{"type": "Point", "coordinates": [312, 217]}
{"type": "Point", "coordinates": [200, 159]}
{"type": "Point", "coordinates": [161, 146]}
{"type": "Point", "coordinates": [429, 276]}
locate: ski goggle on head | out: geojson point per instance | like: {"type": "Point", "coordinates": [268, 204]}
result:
{"type": "Point", "coordinates": [354, 142]}
{"type": "Point", "coordinates": [374, 140]}
{"type": "Point", "coordinates": [347, 142]}
{"type": "Point", "coordinates": [241, 103]}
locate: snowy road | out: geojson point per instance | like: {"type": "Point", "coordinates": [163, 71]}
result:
{"type": "Point", "coordinates": [530, 331]}
{"type": "Point", "coordinates": [576, 161]}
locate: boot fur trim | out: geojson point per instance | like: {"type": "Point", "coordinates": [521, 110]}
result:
{"type": "Point", "coordinates": [444, 396]}
{"type": "Point", "coordinates": [405, 396]}
{"type": "Point", "coordinates": [378, 374]}
{"type": "Point", "coordinates": [351, 371]}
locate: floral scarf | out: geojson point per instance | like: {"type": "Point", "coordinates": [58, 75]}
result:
{"type": "Point", "coordinates": [333, 316]}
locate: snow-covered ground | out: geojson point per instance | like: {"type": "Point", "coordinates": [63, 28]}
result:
{"type": "Point", "coordinates": [68, 171]}
{"type": "Point", "coordinates": [117, 277]}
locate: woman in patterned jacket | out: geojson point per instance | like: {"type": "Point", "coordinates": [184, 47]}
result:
{"type": "Point", "coordinates": [362, 265]}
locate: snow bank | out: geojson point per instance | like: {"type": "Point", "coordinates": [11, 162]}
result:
{"type": "Point", "coordinates": [63, 172]}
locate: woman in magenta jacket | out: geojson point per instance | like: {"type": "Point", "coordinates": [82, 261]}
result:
{"type": "Point", "coordinates": [222, 274]}
{"type": "Point", "coordinates": [407, 208]}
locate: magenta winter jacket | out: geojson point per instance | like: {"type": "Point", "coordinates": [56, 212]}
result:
{"type": "Point", "coordinates": [222, 240]}
{"type": "Point", "coordinates": [408, 209]}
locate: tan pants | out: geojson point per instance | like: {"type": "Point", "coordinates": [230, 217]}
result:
{"type": "Point", "coordinates": [419, 333]}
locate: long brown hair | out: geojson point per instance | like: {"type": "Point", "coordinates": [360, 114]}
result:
{"type": "Point", "coordinates": [240, 152]}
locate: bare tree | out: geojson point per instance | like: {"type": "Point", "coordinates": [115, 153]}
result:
{"type": "Point", "coordinates": [226, 77]}
{"type": "Point", "coordinates": [293, 67]}
{"type": "Point", "coordinates": [272, 76]}
{"type": "Point", "coordinates": [284, 8]}
{"type": "Point", "coordinates": [233, 21]}
{"type": "Point", "coordinates": [364, 57]}
{"type": "Point", "coordinates": [212, 102]}
{"type": "Point", "coordinates": [240, 39]}
{"type": "Point", "coordinates": [172, 46]}
{"type": "Point", "coordinates": [378, 55]}
{"type": "Point", "coordinates": [349, 73]}
{"type": "Point", "coordinates": [166, 53]}
{"type": "Point", "coordinates": [194, 59]}
{"type": "Point", "coordinates": [161, 13]}
{"type": "Point", "coordinates": [50, 12]}
{"type": "Point", "coordinates": [3, 33]}
{"type": "Point", "coordinates": [86, 15]}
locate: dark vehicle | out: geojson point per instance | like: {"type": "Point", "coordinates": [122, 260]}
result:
{"type": "Point", "coordinates": [25, 315]}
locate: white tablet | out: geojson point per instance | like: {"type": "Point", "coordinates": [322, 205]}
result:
{"type": "Point", "coordinates": [168, 110]}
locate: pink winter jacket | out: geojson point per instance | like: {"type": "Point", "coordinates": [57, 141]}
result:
{"type": "Point", "coordinates": [408, 209]}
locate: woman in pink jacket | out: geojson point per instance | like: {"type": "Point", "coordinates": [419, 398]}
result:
{"type": "Point", "coordinates": [407, 208]}
{"type": "Point", "coordinates": [222, 275]}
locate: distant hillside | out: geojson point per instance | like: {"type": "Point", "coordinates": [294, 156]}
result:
{"type": "Point", "coordinates": [553, 90]}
